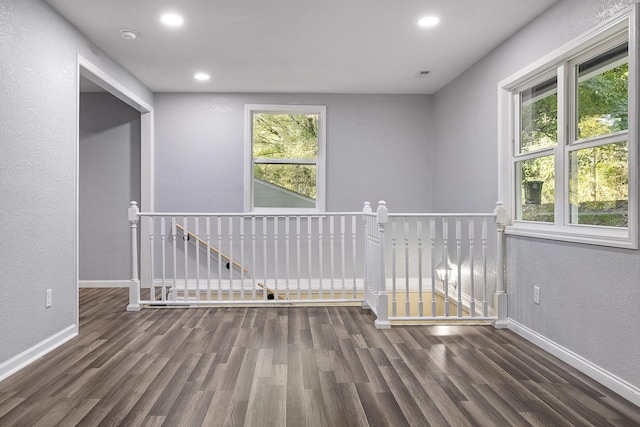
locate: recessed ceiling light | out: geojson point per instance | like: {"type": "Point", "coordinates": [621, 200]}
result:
{"type": "Point", "coordinates": [172, 19]}
{"type": "Point", "coordinates": [429, 21]}
{"type": "Point", "coordinates": [203, 77]}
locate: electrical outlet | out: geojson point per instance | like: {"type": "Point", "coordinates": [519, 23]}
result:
{"type": "Point", "coordinates": [536, 294]}
{"type": "Point", "coordinates": [49, 300]}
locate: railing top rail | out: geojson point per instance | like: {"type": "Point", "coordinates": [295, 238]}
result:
{"type": "Point", "coordinates": [443, 215]}
{"type": "Point", "coordinates": [248, 214]}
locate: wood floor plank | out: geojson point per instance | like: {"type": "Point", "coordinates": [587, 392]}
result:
{"type": "Point", "coordinates": [333, 408]}
{"type": "Point", "coordinates": [369, 399]}
{"type": "Point", "coordinates": [293, 366]}
{"type": "Point", "coordinates": [575, 415]}
{"type": "Point", "coordinates": [431, 400]}
{"type": "Point", "coordinates": [411, 409]}
{"type": "Point", "coordinates": [478, 409]}
{"type": "Point", "coordinates": [222, 410]}
{"type": "Point", "coordinates": [508, 412]}
{"type": "Point", "coordinates": [266, 405]}
{"type": "Point", "coordinates": [190, 407]}
{"type": "Point", "coordinates": [305, 407]}
{"type": "Point", "coordinates": [8, 404]}
{"type": "Point", "coordinates": [371, 370]}
{"type": "Point", "coordinates": [75, 413]}
{"type": "Point", "coordinates": [256, 363]}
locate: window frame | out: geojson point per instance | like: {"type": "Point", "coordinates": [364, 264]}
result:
{"type": "Point", "coordinates": [320, 163]}
{"type": "Point", "coordinates": [561, 62]}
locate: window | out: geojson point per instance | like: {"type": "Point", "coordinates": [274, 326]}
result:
{"type": "Point", "coordinates": [568, 134]}
{"type": "Point", "coordinates": [285, 157]}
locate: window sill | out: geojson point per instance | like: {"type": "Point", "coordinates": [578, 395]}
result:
{"type": "Point", "coordinates": [601, 236]}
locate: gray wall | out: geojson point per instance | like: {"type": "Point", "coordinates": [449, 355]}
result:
{"type": "Point", "coordinates": [109, 179]}
{"type": "Point", "coordinates": [38, 170]}
{"type": "Point", "coordinates": [589, 294]}
{"type": "Point", "coordinates": [378, 147]}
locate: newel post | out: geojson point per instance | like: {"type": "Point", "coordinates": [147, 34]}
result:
{"type": "Point", "coordinates": [134, 285]}
{"type": "Point", "coordinates": [502, 220]}
{"type": "Point", "coordinates": [382, 304]}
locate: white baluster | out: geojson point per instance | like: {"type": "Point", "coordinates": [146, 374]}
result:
{"type": "Point", "coordinates": [343, 256]}
{"type": "Point", "coordinates": [485, 303]}
{"type": "Point", "coordinates": [197, 242]}
{"type": "Point", "coordinates": [393, 269]}
{"type": "Point", "coordinates": [264, 256]}
{"type": "Point", "coordinates": [298, 256]}
{"type": "Point", "coordinates": [407, 304]}
{"type": "Point", "coordinates": [366, 211]}
{"type": "Point", "coordinates": [420, 302]}
{"type": "Point", "coordinates": [287, 254]}
{"type": "Point", "coordinates": [242, 258]}
{"type": "Point", "coordinates": [174, 236]}
{"type": "Point", "coordinates": [253, 258]}
{"type": "Point", "coordinates": [445, 257]}
{"type": "Point", "coordinates": [459, 264]}
{"type": "Point", "coordinates": [185, 245]}
{"type": "Point", "coordinates": [309, 256]}
{"type": "Point", "coordinates": [331, 254]}
{"type": "Point", "coordinates": [219, 230]}
{"type": "Point", "coordinates": [320, 263]}
{"type": "Point", "coordinates": [208, 225]}
{"type": "Point", "coordinates": [230, 262]}
{"type": "Point", "coordinates": [163, 236]}
{"type": "Point", "coordinates": [152, 285]}
{"type": "Point", "coordinates": [472, 305]}
{"type": "Point", "coordinates": [276, 220]}
{"type": "Point", "coordinates": [432, 237]}
{"type": "Point", "coordinates": [354, 259]}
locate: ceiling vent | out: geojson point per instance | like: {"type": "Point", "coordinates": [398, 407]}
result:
{"type": "Point", "coordinates": [422, 74]}
{"type": "Point", "coordinates": [128, 34]}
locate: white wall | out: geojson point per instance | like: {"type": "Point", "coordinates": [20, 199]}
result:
{"type": "Point", "coordinates": [378, 147]}
{"type": "Point", "coordinates": [38, 176]}
{"type": "Point", "coordinates": [109, 151]}
{"type": "Point", "coordinates": [589, 294]}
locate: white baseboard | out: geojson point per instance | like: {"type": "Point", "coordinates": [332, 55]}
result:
{"type": "Point", "coordinates": [28, 356]}
{"type": "Point", "coordinates": [104, 283]}
{"type": "Point", "coordinates": [606, 378]}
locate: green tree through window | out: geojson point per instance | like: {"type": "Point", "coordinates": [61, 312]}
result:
{"type": "Point", "coordinates": [287, 137]}
{"type": "Point", "coordinates": [598, 152]}
{"type": "Point", "coordinates": [285, 149]}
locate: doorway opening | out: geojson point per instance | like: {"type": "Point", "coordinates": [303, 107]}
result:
{"type": "Point", "coordinates": [114, 159]}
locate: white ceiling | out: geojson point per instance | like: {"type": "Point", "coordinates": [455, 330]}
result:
{"type": "Point", "coordinates": [306, 46]}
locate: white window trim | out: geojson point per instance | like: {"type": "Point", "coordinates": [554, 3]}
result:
{"type": "Point", "coordinates": [249, 110]}
{"type": "Point", "coordinates": [561, 230]}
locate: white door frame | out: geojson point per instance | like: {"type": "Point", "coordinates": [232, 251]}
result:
{"type": "Point", "coordinates": [96, 75]}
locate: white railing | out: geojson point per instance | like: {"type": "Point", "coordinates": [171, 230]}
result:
{"type": "Point", "coordinates": [230, 258]}
{"type": "Point", "coordinates": [394, 264]}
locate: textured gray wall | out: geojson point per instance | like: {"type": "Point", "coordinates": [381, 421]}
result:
{"type": "Point", "coordinates": [378, 147]}
{"type": "Point", "coordinates": [589, 294]}
{"type": "Point", "coordinates": [38, 170]}
{"type": "Point", "coordinates": [109, 179]}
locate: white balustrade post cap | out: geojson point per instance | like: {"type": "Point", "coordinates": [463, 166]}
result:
{"type": "Point", "coordinates": [383, 212]}
{"type": "Point", "coordinates": [133, 212]}
{"type": "Point", "coordinates": [502, 217]}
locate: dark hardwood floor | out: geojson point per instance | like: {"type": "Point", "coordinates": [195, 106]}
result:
{"type": "Point", "coordinates": [295, 366]}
